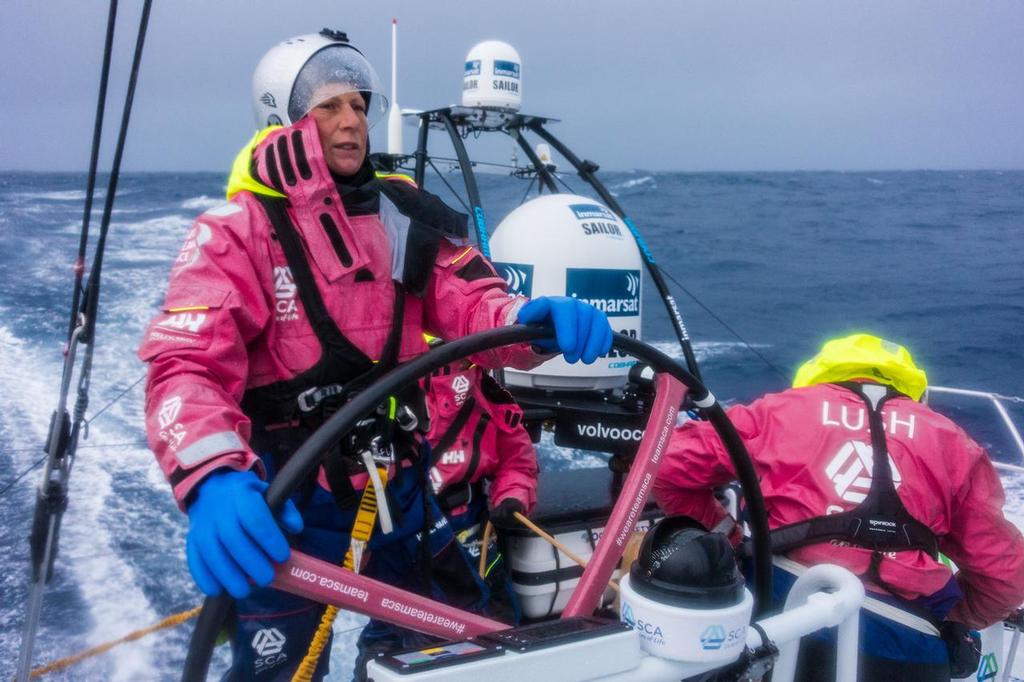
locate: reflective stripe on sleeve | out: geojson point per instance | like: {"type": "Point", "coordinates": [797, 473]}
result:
{"type": "Point", "coordinates": [208, 446]}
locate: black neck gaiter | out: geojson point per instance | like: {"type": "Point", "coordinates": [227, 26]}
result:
{"type": "Point", "coordinates": [358, 194]}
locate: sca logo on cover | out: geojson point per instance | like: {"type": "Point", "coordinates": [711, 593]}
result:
{"type": "Point", "coordinates": [615, 292]}
{"type": "Point", "coordinates": [627, 616]}
{"type": "Point", "coordinates": [712, 638]}
{"type": "Point", "coordinates": [648, 631]}
{"type": "Point", "coordinates": [518, 277]}
{"type": "Point", "coordinates": [988, 668]}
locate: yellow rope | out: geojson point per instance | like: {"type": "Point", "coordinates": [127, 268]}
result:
{"type": "Point", "coordinates": [304, 673]}
{"type": "Point", "coordinates": [68, 661]}
{"type": "Point", "coordinates": [361, 530]}
{"type": "Point", "coordinates": [484, 542]}
{"type": "Point", "coordinates": [556, 544]}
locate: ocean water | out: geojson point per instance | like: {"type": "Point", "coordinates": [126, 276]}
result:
{"type": "Point", "coordinates": [786, 260]}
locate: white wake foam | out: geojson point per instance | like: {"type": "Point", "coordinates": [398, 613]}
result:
{"type": "Point", "coordinates": [64, 195]}
{"type": "Point", "coordinates": [644, 183]}
{"type": "Point", "coordinates": [201, 203]}
{"type": "Point", "coordinates": [703, 350]}
{"type": "Point", "coordinates": [93, 564]}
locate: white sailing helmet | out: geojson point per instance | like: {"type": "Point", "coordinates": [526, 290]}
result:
{"type": "Point", "coordinates": [296, 75]}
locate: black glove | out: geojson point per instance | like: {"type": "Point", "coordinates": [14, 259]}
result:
{"type": "Point", "coordinates": [964, 647]}
{"type": "Point", "coordinates": [503, 516]}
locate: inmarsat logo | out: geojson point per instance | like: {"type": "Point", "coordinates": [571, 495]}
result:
{"type": "Point", "coordinates": [473, 67]}
{"type": "Point", "coordinates": [518, 277]}
{"type": "Point", "coordinates": [268, 642]}
{"type": "Point", "coordinates": [632, 284]}
{"type": "Point", "coordinates": [591, 212]}
{"type": "Point", "coordinates": [506, 68]}
{"type": "Point", "coordinates": [614, 292]}
{"type": "Point", "coordinates": [712, 638]}
{"type": "Point", "coordinates": [850, 471]}
{"type": "Point", "coordinates": [268, 99]}
{"type": "Point", "coordinates": [460, 385]}
{"type": "Point", "coordinates": [596, 219]}
{"type": "Point", "coordinates": [169, 410]}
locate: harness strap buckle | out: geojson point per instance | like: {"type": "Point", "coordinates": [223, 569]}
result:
{"type": "Point", "coordinates": [381, 455]}
{"type": "Point", "coordinates": [406, 418]}
{"type": "Point", "coordinates": [309, 399]}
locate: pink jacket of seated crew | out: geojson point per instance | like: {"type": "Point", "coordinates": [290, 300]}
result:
{"type": "Point", "coordinates": [492, 444]}
{"type": "Point", "coordinates": [232, 320]}
{"type": "Point", "coordinates": [802, 443]}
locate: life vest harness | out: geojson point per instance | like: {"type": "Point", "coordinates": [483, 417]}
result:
{"type": "Point", "coordinates": [464, 491]}
{"type": "Point", "coordinates": [461, 492]}
{"type": "Point", "coordinates": [285, 413]}
{"type": "Point", "coordinates": [880, 522]}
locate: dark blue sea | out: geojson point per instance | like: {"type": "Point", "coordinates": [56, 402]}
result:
{"type": "Point", "coordinates": [772, 264]}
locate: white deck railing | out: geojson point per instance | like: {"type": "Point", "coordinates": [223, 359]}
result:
{"type": "Point", "coordinates": [997, 402]}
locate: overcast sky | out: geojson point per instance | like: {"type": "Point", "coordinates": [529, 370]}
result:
{"type": "Point", "coordinates": [715, 85]}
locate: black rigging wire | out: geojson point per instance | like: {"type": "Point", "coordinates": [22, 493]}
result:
{"type": "Point", "coordinates": [94, 417]}
{"type": "Point", "coordinates": [722, 322]}
{"type": "Point", "coordinates": [24, 473]}
{"type": "Point", "coordinates": [115, 399]}
{"type": "Point", "coordinates": [478, 163]}
{"type": "Point", "coordinates": [682, 288]}
{"type": "Point", "coordinates": [528, 188]}
{"type": "Point", "coordinates": [35, 465]}
{"type": "Point", "coordinates": [448, 185]}
{"type": "Point", "coordinates": [93, 285]}
{"type": "Point", "coordinates": [564, 183]}
{"type": "Point", "coordinates": [62, 441]}
{"type": "Point", "coordinates": [101, 103]}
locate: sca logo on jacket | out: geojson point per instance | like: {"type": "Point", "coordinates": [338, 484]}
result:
{"type": "Point", "coordinates": [615, 292]}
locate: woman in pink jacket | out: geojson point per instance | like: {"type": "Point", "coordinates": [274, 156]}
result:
{"type": "Point", "coordinates": [815, 447]}
{"type": "Point", "coordinates": [316, 277]}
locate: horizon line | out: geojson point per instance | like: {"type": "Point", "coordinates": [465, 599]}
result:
{"type": "Point", "coordinates": [609, 170]}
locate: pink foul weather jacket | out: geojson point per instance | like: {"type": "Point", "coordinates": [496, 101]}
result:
{"type": "Point", "coordinates": [811, 450]}
{"type": "Point", "coordinates": [484, 438]}
{"type": "Point", "coordinates": [232, 320]}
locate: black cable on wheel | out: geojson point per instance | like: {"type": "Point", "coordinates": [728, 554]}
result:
{"type": "Point", "coordinates": [304, 461]}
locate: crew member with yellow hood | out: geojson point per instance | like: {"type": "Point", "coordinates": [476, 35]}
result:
{"type": "Point", "coordinates": [855, 471]}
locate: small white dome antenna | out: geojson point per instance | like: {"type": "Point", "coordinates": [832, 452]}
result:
{"type": "Point", "coordinates": [492, 77]}
{"type": "Point", "coordinates": [395, 115]}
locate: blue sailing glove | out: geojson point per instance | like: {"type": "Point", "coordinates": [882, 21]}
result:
{"type": "Point", "coordinates": [232, 535]}
{"type": "Point", "coordinates": [582, 331]}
